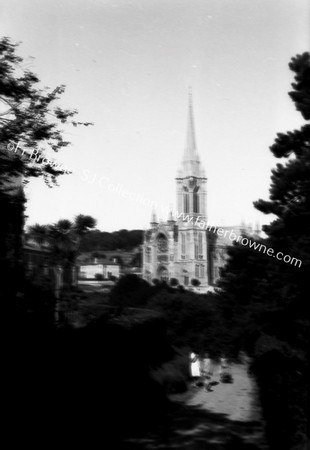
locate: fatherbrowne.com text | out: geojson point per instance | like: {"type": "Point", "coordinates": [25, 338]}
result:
{"type": "Point", "coordinates": [239, 238]}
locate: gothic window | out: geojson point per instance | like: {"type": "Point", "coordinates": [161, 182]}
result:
{"type": "Point", "coordinates": [196, 245]}
{"type": "Point", "coordinates": [175, 233]}
{"type": "Point", "coordinates": [200, 246]}
{"type": "Point", "coordinates": [196, 200]}
{"type": "Point", "coordinates": [202, 271]}
{"type": "Point", "coordinates": [162, 243]}
{"type": "Point", "coordinates": [148, 234]}
{"type": "Point", "coordinates": [197, 271]}
{"type": "Point", "coordinates": [148, 254]}
{"type": "Point", "coordinates": [183, 245]}
{"type": "Point", "coordinates": [185, 199]}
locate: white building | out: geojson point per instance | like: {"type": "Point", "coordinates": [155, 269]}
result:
{"type": "Point", "coordinates": [106, 268]}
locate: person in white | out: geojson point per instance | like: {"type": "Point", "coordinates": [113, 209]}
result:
{"type": "Point", "coordinates": [194, 365]}
{"type": "Point", "coordinates": [208, 366]}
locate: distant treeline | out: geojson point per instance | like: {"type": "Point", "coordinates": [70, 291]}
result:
{"type": "Point", "coordinates": [103, 240]}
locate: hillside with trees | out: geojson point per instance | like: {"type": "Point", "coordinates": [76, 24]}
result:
{"type": "Point", "coordinates": [96, 240]}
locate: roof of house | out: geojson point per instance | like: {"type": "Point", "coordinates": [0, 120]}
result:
{"type": "Point", "coordinates": [91, 262]}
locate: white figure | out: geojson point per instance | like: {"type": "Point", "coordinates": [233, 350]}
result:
{"type": "Point", "coordinates": [195, 366]}
{"type": "Point", "coordinates": [208, 366]}
{"type": "Point", "coordinates": [224, 363]}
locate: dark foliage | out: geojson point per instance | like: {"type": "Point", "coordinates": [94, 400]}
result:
{"type": "Point", "coordinates": [174, 282]}
{"type": "Point", "coordinates": [87, 386]}
{"type": "Point", "coordinates": [131, 291]}
{"type": "Point", "coordinates": [192, 320]}
{"type": "Point", "coordinates": [11, 255]}
{"type": "Point", "coordinates": [102, 240]}
{"type": "Point", "coordinates": [30, 123]}
{"type": "Point", "coordinates": [64, 239]}
{"type": "Point", "coordinates": [263, 301]}
{"type": "Point", "coordinates": [98, 276]}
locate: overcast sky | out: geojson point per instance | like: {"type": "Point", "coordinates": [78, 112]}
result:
{"type": "Point", "coordinates": [127, 66]}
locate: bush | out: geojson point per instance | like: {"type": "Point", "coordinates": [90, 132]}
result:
{"type": "Point", "coordinates": [195, 282]}
{"type": "Point", "coordinates": [173, 375]}
{"type": "Point", "coordinates": [98, 255]}
{"type": "Point", "coordinates": [130, 291]}
{"type": "Point", "coordinates": [98, 276]}
{"type": "Point", "coordinates": [174, 282]}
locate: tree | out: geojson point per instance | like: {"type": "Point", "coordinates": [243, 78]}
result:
{"type": "Point", "coordinates": [290, 203]}
{"type": "Point", "coordinates": [263, 301]}
{"type": "Point", "coordinates": [64, 239]}
{"type": "Point", "coordinates": [192, 319]}
{"type": "Point", "coordinates": [130, 291]}
{"type": "Point", "coordinates": [290, 234]}
{"type": "Point", "coordinates": [123, 239]}
{"type": "Point", "coordinates": [98, 255]}
{"type": "Point", "coordinates": [30, 121]}
{"type": "Point", "coordinates": [174, 282]}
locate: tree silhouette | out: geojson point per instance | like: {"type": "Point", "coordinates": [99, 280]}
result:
{"type": "Point", "coordinates": [30, 121]}
{"type": "Point", "coordinates": [263, 301]}
{"type": "Point", "coordinates": [64, 239]}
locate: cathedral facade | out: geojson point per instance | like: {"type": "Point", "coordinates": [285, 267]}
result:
{"type": "Point", "coordinates": [180, 248]}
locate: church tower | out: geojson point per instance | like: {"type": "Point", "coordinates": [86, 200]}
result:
{"type": "Point", "coordinates": [191, 178]}
{"type": "Point", "coordinates": [177, 248]}
{"type": "Point", "coordinates": [191, 209]}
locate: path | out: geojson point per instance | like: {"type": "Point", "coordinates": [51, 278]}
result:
{"type": "Point", "coordinates": [236, 400]}
{"type": "Point", "coordinates": [228, 417]}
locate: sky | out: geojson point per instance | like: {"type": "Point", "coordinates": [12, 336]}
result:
{"type": "Point", "coordinates": [127, 66]}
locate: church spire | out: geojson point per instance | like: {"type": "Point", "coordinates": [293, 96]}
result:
{"type": "Point", "coordinates": [190, 153]}
{"type": "Point", "coordinates": [191, 166]}
{"type": "Point", "coordinates": [154, 220]}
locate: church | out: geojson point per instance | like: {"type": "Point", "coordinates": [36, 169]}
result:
{"type": "Point", "coordinates": [179, 248]}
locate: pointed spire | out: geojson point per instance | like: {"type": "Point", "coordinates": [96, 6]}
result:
{"type": "Point", "coordinates": [190, 153]}
{"type": "Point", "coordinates": [170, 217]}
{"type": "Point", "coordinates": [191, 163]}
{"type": "Point", "coordinates": [154, 221]}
